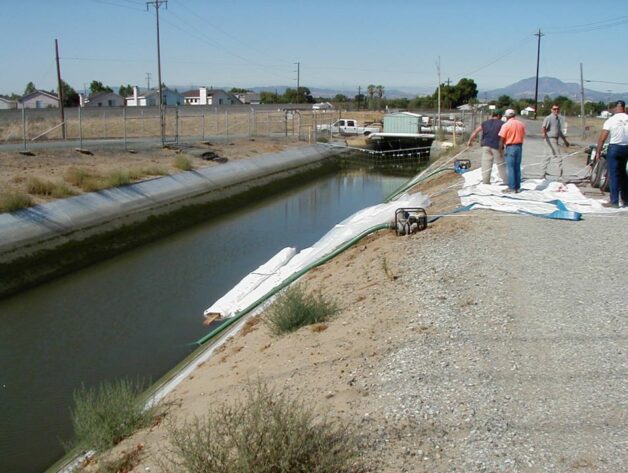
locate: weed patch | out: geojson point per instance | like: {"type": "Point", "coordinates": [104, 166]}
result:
{"type": "Point", "coordinates": [103, 416]}
{"type": "Point", "coordinates": [12, 201]}
{"type": "Point", "coordinates": [295, 309]}
{"type": "Point", "coordinates": [183, 162]}
{"type": "Point", "coordinates": [264, 433]}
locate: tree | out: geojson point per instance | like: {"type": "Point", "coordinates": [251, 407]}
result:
{"type": "Point", "coordinates": [30, 88]}
{"type": "Point", "coordinates": [125, 90]}
{"type": "Point", "coordinates": [237, 90]}
{"type": "Point", "coordinates": [97, 87]}
{"type": "Point", "coordinates": [503, 101]}
{"type": "Point", "coordinates": [370, 90]}
{"type": "Point", "coordinates": [466, 90]}
{"type": "Point", "coordinates": [70, 96]}
{"type": "Point", "coordinates": [340, 98]}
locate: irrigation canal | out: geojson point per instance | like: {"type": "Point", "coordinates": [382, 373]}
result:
{"type": "Point", "coordinates": [135, 315]}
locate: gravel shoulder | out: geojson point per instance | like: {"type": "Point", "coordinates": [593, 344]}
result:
{"type": "Point", "coordinates": [488, 342]}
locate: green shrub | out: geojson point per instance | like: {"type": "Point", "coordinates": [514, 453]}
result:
{"type": "Point", "coordinates": [182, 162]}
{"type": "Point", "coordinates": [104, 416]}
{"type": "Point", "coordinates": [264, 433]}
{"type": "Point", "coordinates": [11, 201]}
{"type": "Point", "coordinates": [295, 309]}
{"type": "Point", "coordinates": [322, 139]}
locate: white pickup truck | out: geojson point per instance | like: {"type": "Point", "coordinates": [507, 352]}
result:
{"type": "Point", "coordinates": [348, 126]}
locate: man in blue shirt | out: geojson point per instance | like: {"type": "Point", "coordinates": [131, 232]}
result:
{"type": "Point", "coordinates": [490, 146]}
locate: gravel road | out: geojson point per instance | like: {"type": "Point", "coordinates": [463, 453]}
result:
{"type": "Point", "coordinates": [522, 363]}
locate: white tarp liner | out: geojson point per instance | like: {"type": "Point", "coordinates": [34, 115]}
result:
{"type": "Point", "coordinates": [343, 232]}
{"type": "Point", "coordinates": [535, 197]}
{"type": "Point", "coordinates": [224, 307]}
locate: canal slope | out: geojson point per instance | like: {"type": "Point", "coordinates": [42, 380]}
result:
{"type": "Point", "coordinates": [39, 243]}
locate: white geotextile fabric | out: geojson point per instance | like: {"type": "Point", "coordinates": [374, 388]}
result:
{"type": "Point", "coordinates": [225, 304]}
{"type": "Point", "coordinates": [240, 297]}
{"type": "Point", "coordinates": [534, 198]}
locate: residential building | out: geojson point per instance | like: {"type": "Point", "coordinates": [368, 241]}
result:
{"type": "Point", "coordinates": [102, 99]}
{"type": "Point", "coordinates": [151, 98]}
{"type": "Point", "coordinates": [7, 104]}
{"type": "Point", "coordinates": [205, 96]}
{"type": "Point", "coordinates": [39, 99]}
{"type": "Point", "coordinates": [252, 98]}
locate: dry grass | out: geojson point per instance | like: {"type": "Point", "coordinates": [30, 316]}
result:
{"type": "Point", "coordinates": [11, 201]}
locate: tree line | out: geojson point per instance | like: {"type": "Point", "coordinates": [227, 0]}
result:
{"type": "Point", "coordinates": [451, 96]}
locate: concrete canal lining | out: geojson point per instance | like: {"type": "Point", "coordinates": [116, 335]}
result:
{"type": "Point", "coordinates": [47, 231]}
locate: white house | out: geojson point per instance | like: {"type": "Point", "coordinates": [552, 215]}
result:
{"type": "Point", "coordinates": [39, 99]}
{"type": "Point", "coordinates": [151, 98]}
{"type": "Point", "coordinates": [7, 104]}
{"type": "Point", "coordinates": [205, 96]}
{"type": "Point", "coordinates": [527, 111]}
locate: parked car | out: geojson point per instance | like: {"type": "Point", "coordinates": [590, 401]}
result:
{"type": "Point", "coordinates": [348, 126]}
{"type": "Point", "coordinates": [322, 106]}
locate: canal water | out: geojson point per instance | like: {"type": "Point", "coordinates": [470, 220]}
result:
{"type": "Point", "coordinates": [135, 315]}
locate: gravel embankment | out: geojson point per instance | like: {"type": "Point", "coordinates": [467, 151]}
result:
{"type": "Point", "coordinates": [521, 363]}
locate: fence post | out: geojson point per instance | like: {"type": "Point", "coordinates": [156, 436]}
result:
{"type": "Point", "coordinates": [104, 114]}
{"type": "Point", "coordinates": [203, 130]}
{"type": "Point", "coordinates": [227, 124]}
{"type": "Point", "coordinates": [24, 126]}
{"type": "Point", "coordinates": [250, 123]}
{"type": "Point", "coordinates": [254, 122]}
{"type": "Point", "coordinates": [80, 124]}
{"type": "Point", "coordinates": [216, 120]}
{"type": "Point", "coordinates": [176, 125]}
{"type": "Point", "coordinates": [124, 125]}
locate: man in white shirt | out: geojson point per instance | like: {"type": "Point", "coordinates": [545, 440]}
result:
{"type": "Point", "coordinates": [616, 128]}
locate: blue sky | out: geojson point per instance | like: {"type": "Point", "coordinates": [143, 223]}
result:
{"type": "Point", "coordinates": [340, 44]}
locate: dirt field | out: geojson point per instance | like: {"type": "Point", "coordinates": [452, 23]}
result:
{"type": "Point", "coordinates": [57, 165]}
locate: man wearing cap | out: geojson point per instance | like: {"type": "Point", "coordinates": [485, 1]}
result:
{"type": "Point", "coordinates": [552, 133]}
{"type": "Point", "coordinates": [511, 135]}
{"type": "Point", "coordinates": [490, 146]}
{"type": "Point", "coordinates": [617, 154]}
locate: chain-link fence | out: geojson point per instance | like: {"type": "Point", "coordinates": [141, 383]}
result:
{"type": "Point", "coordinates": [191, 123]}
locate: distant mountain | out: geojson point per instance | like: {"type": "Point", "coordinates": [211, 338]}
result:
{"type": "Point", "coordinates": [551, 87]}
{"type": "Point", "coordinates": [332, 92]}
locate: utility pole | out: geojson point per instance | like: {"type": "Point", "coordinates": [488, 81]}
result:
{"type": "Point", "coordinates": [157, 4]}
{"type": "Point", "coordinates": [359, 96]}
{"type": "Point", "coordinates": [438, 71]}
{"type": "Point", "coordinates": [536, 85]}
{"type": "Point", "coordinates": [60, 82]}
{"type": "Point", "coordinates": [582, 102]}
{"type": "Point", "coordinates": [298, 81]}
{"type": "Point", "coordinates": [148, 74]}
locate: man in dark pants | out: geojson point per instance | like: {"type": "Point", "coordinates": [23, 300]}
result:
{"type": "Point", "coordinates": [617, 154]}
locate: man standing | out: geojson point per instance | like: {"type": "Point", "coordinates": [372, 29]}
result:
{"type": "Point", "coordinates": [552, 133]}
{"type": "Point", "coordinates": [490, 146]}
{"type": "Point", "coordinates": [617, 154]}
{"type": "Point", "coordinates": [511, 135]}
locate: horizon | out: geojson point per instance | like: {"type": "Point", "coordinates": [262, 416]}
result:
{"type": "Point", "coordinates": [338, 46]}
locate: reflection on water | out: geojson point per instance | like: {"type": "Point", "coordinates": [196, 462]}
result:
{"type": "Point", "coordinates": [135, 315]}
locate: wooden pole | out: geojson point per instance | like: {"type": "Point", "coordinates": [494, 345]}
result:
{"type": "Point", "coordinates": [60, 82]}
